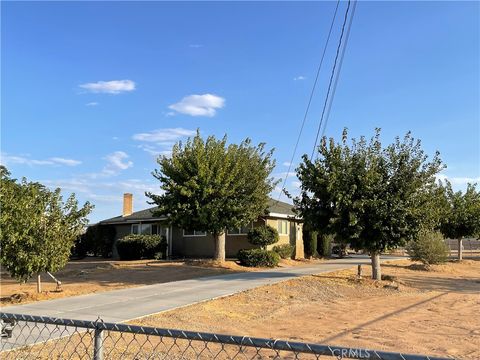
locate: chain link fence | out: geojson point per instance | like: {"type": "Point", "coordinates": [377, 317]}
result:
{"type": "Point", "coordinates": [38, 337]}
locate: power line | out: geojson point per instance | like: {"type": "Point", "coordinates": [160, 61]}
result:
{"type": "Point", "coordinates": [309, 100]}
{"type": "Point", "coordinates": [327, 116]}
{"type": "Point", "coordinates": [332, 76]}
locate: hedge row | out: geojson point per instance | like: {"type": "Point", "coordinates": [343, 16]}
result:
{"type": "Point", "coordinates": [137, 246]}
{"type": "Point", "coordinates": [258, 258]}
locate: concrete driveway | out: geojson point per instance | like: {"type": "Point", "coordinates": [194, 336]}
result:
{"type": "Point", "coordinates": [127, 304]}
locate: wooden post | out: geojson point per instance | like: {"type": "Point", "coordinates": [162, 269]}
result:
{"type": "Point", "coordinates": [359, 271]}
{"type": "Point", "coordinates": [39, 284]}
{"type": "Point", "coordinates": [460, 250]}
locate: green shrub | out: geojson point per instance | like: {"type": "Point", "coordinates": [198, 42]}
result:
{"type": "Point", "coordinates": [137, 246]}
{"type": "Point", "coordinates": [310, 242]}
{"type": "Point", "coordinates": [285, 250]}
{"type": "Point", "coordinates": [263, 236]}
{"type": "Point", "coordinates": [97, 240]}
{"type": "Point", "coordinates": [324, 242]}
{"type": "Point", "coordinates": [258, 258]}
{"type": "Point", "coordinates": [429, 248]}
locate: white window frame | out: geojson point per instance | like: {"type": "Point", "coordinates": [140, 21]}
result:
{"type": "Point", "coordinates": [139, 228]}
{"type": "Point", "coordinates": [280, 227]}
{"type": "Point", "coordinates": [204, 233]}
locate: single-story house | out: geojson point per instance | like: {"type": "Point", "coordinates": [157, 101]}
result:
{"type": "Point", "coordinates": [194, 243]}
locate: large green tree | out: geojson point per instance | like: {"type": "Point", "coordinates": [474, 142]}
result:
{"type": "Point", "coordinates": [37, 229]}
{"type": "Point", "coordinates": [212, 186]}
{"type": "Point", "coordinates": [365, 194]}
{"type": "Point", "coordinates": [462, 214]}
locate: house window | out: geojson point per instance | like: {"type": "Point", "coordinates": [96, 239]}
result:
{"type": "Point", "coordinates": [194, 233]}
{"type": "Point", "coordinates": [145, 229]}
{"type": "Point", "coordinates": [241, 230]}
{"type": "Point", "coordinates": [148, 229]}
{"type": "Point", "coordinates": [135, 229]}
{"type": "Point", "coordinates": [282, 227]}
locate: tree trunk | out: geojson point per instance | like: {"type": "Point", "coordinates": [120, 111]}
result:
{"type": "Point", "coordinates": [460, 250]}
{"type": "Point", "coordinates": [39, 284]}
{"type": "Point", "coordinates": [219, 247]}
{"type": "Point", "coordinates": [376, 271]}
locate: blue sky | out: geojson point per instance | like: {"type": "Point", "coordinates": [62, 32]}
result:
{"type": "Point", "coordinates": [92, 91]}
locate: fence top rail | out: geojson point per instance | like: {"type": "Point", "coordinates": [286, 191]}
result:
{"type": "Point", "coordinates": [298, 347]}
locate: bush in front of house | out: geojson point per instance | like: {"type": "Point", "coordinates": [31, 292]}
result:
{"type": "Point", "coordinates": [310, 242]}
{"type": "Point", "coordinates": [262, 236]}
{"type": "Point", "coordinates": [258, 258]}
{"type": "Point", "coordinates": [429, 248]}
{"type": "Point", "coordinates": [324, 243]}
{"type": "Point", "coordinates": [97, 240]}
{"type": "Point", "coordinates": [285, 251]}
{"type": "Point", "coordinates": [139, 246]}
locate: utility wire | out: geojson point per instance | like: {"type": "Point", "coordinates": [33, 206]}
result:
{"type": "Point", "coordinates": [331, 77]}
{"type": "Point", "coordinates": [347, 35]}
{"type": "Point", "coordinates": [309, 101]}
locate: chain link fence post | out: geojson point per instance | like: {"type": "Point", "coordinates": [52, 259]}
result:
{"type": "Point", "coordinates": [98, 342]}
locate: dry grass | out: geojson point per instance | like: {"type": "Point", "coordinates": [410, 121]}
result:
{"type": "Point", "coordinates": [96, 275]}
{"type": "Point", "coordinates": [427, 312]}
{"type": "Point", "coordinates": [439, 306]}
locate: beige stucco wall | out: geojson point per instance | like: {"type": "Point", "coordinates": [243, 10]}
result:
{"type": "Point", "coordinates": [294, 236]}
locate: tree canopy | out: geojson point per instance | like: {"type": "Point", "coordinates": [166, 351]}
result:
{"type": "Point", "coordinates": [37, 229]}
{"type": "Point", "coordinates": [461, 214]}
{"type": "Point", "coordinates": [367, 195]}
{"type": "Point", "coordinates": [211, 186]}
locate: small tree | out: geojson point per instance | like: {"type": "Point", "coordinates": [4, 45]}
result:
{"type": "Point", "coordinates": [429, 248]}
{"type": "Point", "coordinates": [263, 236]}
{"type": "Point", "coordinates": [211, 186]}
{"type": "Point", "coordinates": [462, 216]}
{"type": "Point", "coordinates": [367, 195]}
{"type": "Point", "coordinates": [38, 229]}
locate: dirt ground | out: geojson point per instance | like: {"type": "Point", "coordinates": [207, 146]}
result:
{"type": "Point", "coordinates": [93, 275]}
{"type": "Point", "coordinates": [434, 312]}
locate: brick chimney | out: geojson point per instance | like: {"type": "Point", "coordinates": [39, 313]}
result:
{"type": "Point", "coordinates": [127, 204]}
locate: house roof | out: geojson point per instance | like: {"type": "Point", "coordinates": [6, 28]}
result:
{"type": "Point", "coordinates": [275, 209]}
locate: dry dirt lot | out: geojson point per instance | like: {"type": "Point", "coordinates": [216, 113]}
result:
{"type": "Point", "coordinates": [95, 275]}
{"type": "Point", "coordinates": [433, 312]}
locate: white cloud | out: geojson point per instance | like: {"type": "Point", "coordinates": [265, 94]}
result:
{"type": "Point", "coordinates": [287, 163]}
{"type": "Point", "coordinates": [161, 141]}
{"type": "Point", "coordinates": [199, 105]}
{"type": "Point", "coordinates": [284, 174]}
{"type": "Point", "coordinates": [110, 87]}
{"type": "Point", "coordinates": [195, 46]}
{"type": "Point", "coordinates": [459, 181]}
{"type": "Point", "coordinates": [93, 103]}
{"type": "Point", "coordinates": [155, 151]}
{"type": "Point", "coordinates": [296, 78]}
{"type": "Point", "coordinates": [115, 160]}
{"type": "Point", "coordinates": [63, 161]}
{"type": "Point", "coordinates": [162, 135]}
{"type": "Point", "coordinates": [53, 161]}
